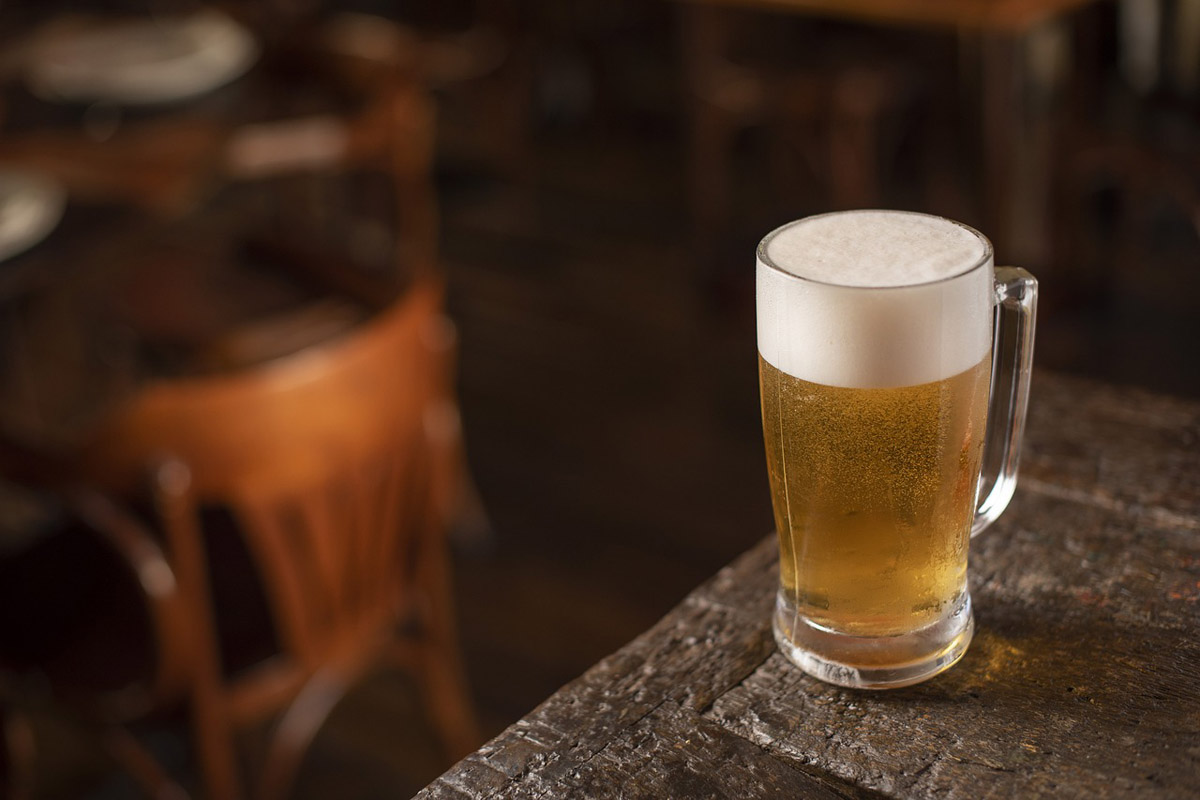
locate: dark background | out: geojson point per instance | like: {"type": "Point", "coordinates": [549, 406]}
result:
{"type": "Point", "coordinates": [607, 371]}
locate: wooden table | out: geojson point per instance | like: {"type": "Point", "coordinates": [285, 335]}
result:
{"type": "Point", "coordinates": [1015, 16]}
{"type": "Point", "coordinates": [1083, 679]}
{"type": "Point", "coordinates": [1014, 151]}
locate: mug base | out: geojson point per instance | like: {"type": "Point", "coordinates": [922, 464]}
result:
{"type": "Point", "coordinates": [872, 662]}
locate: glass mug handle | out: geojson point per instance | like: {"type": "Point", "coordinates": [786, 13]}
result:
{"type": "Point", "coordinates": [1012, 362]}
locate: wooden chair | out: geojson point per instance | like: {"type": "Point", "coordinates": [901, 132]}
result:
{"type": "Point", "coordinates": [338, 466]}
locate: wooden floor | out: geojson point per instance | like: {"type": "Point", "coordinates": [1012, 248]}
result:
{"type": "Point", "coordinates": [609, 394]}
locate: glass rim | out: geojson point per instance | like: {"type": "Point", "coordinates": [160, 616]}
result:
{"type": "Point", "coordinates": [765, 260]}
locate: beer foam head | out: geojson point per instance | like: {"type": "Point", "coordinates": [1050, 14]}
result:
{"type": "Point", "coordinates": [870, 299]}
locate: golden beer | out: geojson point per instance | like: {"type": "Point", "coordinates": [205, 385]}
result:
{"type": "Point", "coordinates": [874, 494]}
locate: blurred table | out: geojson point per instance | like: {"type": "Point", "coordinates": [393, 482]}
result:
{"type": "Point", "coordinates": [996, 29]}
{"type": "Point", "coordinates": [217, 233]}
{"type": "Point", "coordinates": [1012, 16]}
{"type": "Point", "coordinates": [1083, 679]}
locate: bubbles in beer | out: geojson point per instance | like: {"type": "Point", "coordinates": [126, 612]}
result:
{"type": "Point", "coordinates": [874, 494]}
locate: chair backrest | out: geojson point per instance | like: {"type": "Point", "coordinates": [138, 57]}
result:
{"type": "Point", "coordinates": [325, 459]}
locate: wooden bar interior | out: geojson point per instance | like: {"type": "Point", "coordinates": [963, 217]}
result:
{"type": "Point", "coordinates": [570, 194]}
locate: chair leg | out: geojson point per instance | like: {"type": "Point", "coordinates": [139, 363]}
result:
{"type": "Point", "coordinates": [141, 766]}
{"type": "Point", "coordinates": [440, 665]}
{"type": "Point", "coordinates": [298, 727]}
{"type": "Point", "coordinates": [470, 527]}
{"type": "Point", "coordinates": [447, 702]}
{"type": "Point", "coordinates": [17, 751]}
{"type": "Point", "coordinates": [214, 746]}
{"type": "Point", "coordinates": [210, 721]}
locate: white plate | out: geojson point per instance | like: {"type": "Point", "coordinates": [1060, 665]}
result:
{"type": "Point", "coordinates": [30, 207]}
{"type": "Point", "coordinates": [139, 62]}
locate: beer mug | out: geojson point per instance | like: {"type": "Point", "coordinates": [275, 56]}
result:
{"type": "Point", "coordinates": [882, 344]}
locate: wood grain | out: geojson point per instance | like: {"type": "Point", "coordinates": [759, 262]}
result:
{"type": "Point", "coordinates": [1083, 678]}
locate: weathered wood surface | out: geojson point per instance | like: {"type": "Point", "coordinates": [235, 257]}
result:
{"type": "Point", "coordinates": [1083, 679]}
